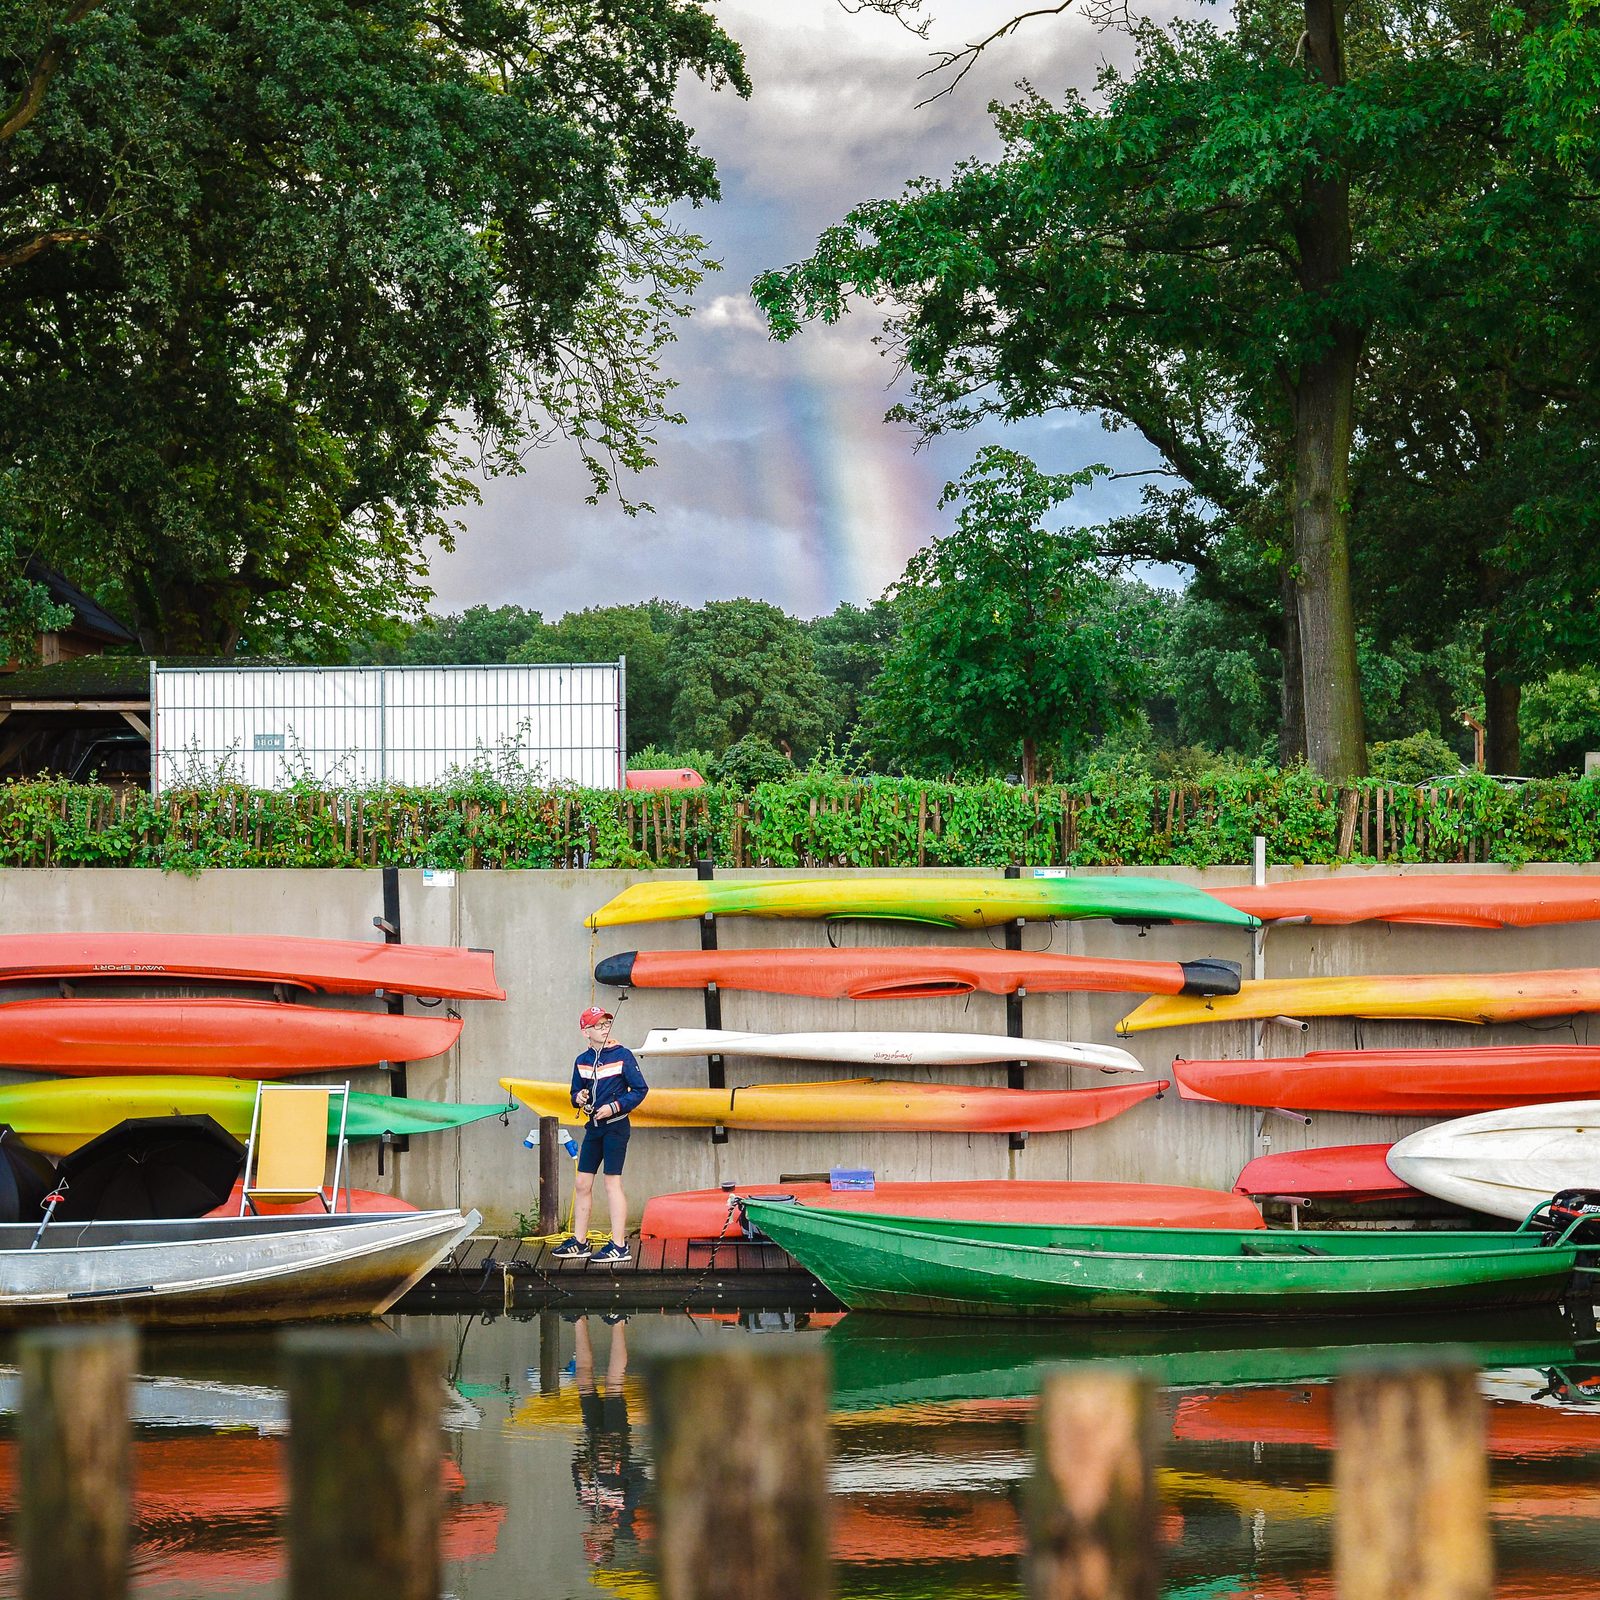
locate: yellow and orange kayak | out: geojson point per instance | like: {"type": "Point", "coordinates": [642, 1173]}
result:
{"type": "Point", "coordinates": [1425, 997]}
{"type": "Point", "coordinates": [860, 1103]}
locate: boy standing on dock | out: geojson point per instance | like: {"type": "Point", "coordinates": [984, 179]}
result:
{"type": "Point", "coordinates": [606, 1086]}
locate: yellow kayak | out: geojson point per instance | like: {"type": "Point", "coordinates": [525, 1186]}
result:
{"type": "Point", "coordinates": [1475, 997]}
{"type": "Point", "coordinates": [860, 1103]}
{"type": "Point", "coordinates": [945, 902]}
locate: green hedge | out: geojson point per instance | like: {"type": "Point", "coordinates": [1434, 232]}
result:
{"type": "Point", "coordinates": [1122, 820]}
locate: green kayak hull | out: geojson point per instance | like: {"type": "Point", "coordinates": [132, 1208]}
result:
{"type": "Point", "coordinates": [877, 1263]}
{"type": "Point", "coordinates": [954, 902]}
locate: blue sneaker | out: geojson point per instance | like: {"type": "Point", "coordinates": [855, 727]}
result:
{"type": "Point", "coordinates": [571, 1249]}
{"type": "Point", "coordinates": [612, 1254]}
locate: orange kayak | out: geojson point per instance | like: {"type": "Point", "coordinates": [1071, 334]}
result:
{"type": "Point", "coordinates": [911, 972]}
{"type": "Point", "coordinates": [237, 1038]}
{"type": "Point", "coordinates": [1407, 1083]}
{"type": "Point", "coordinates": [361, 1202]}
{"type": "Point", "coordinates": [877, 1105]}
{"type": "Point", "coordinates": [1336, 1172]}
{"type": "Point", "coordinates": [1474, 997]}
{"type": "Point", "coordinates": [1475, 900]}
{"type": "Point", "coordinates": [708, 1214]}
{"type": "Point", "coordinates": [331, 966]}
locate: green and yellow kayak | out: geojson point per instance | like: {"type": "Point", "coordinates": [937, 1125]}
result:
{"type": "Point", "coordinates": [57, 1115]}
{"type": "Point", "coordinates": [1000, 1269]}
{"type": "Point", "coordinates": [956, 902]}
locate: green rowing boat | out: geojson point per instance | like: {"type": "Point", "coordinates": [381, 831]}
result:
{"type": "Point", "coordinates": [997, 1269]}
{"type": "Point", "coordinates": [952, 902]}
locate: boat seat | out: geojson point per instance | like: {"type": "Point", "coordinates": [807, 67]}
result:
{"type": "Point", "coordinates": [286, 1159]}
{"type": "Point", "coordinates": [1287, 1247]}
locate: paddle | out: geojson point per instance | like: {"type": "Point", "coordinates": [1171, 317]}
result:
{"type": "Point", "coordinates": [50, 1202]}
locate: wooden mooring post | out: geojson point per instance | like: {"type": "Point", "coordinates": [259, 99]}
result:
{"type": "Point", "coordinates": [741, 1448]}
{"type": "Point", "coordinates": [366, 1439]}
{"type": "Point", "coordinates": [77, 1452]}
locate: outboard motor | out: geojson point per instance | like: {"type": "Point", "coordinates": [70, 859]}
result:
{"type": "Point", "coordinates": [1568, 1206]}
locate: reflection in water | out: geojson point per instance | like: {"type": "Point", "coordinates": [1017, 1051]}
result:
{"type": "Point", "coordinates": [547, 1467]}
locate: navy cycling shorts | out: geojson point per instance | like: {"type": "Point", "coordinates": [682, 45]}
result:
{"type": "Point", "coordinates": [604, 1143]}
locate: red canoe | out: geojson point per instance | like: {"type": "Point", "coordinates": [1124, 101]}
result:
{"type": "Point", "coordinates": [705, 1213]}
{"type": "Point", "coordinates": [359, 1201]}
{"type": "Point", "coordinates": [333, 966]}
{"type": "Point", "coordinates": [1338, 1172]}
{"type": "Point", "coordinates": [1407, 1083]}
{"type": "Point", "coordinates": [1478, 900]}
{"type": "Point", "coordinates": [228, 1038]}
{"type": "Point", "coordinates": [911, 972]}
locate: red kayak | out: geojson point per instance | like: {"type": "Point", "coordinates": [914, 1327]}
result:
{"type": "Point", "coordinates": [1338, 1172]}
{"type": "Point", "coordinates": [1477, 900]}
{"type": "Point", "coordinates": [331, 966]}
{"type": "Point", "coordinates": [706, 1213]}
{"type": "Point", "coordinates": [361, 1202]}
{"type": "Point", "coordinates": [911, 972]}
{"type": "Point", "coordinates": [1407, 1083]}
{"type": "Point", "coordinates": [228, 1038]}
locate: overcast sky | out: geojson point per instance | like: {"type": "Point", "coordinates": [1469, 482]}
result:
{"type": "Point", "coordinates": [786, 483]}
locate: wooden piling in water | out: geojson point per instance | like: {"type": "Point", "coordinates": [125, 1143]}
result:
{"type": "Point", "coordinates": [1411, 1485]}
{"type": "Point", "coordinates": [1091, 1502]}
{"type": "Point", "coordinates": [77, 1454]}
{"type": "Point", "coordinates": [365, 1444]}
{"type": "Point", "coordinates": [741, 1449]}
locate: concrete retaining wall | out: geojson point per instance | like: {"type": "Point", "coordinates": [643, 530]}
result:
{"type": "Point", "coordinates": [545, 957]}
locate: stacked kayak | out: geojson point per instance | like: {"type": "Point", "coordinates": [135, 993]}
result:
{"type": "Point", "coordinates": [1478, 900]}
{"type": "Point", "coordinates": [1478, 997]}
{"type": "Point", "coordinates": [1009, 1269]}
{"type": "Point", "coordinates": [1504, 1163]}
{"type": "Point", "coordinates": [1399, 1082]}
{"type": "Point", "coordinates": [953, 902]}
{"type": "Point", "coordinates": [874, 1049]}
{"type": "Point", "coordinates": [911, 972]}
{"type": "Point", "coordinates": [714, 1213]}
{"type": "Point", "coordinates": [58, 1115]}
{"type": "Point", "coordinates": [858, 1104]}
{"type": "Point", "coordinates": [1333, 1172]}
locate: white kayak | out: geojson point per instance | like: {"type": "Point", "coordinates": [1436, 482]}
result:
{"type": "Point", "coordinates": [888, 1049]}
{"type": "Point", "coordinates": [1504, 1163]}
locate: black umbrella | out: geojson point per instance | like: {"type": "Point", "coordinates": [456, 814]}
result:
{"type": "Point", "coordinates": [151, 1167]}
{"type": "Point", "coordinates": [26, 1177]}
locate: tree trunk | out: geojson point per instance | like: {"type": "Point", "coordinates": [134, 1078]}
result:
{"type": "Point", "coordinates": [1292, 692]}
{"type": "Point", "coordinates": [1324, 408]}
{"type": "Point", "coordinates": [1502, 706]}
{"type": "Point", "coordinates": [1030, 762]}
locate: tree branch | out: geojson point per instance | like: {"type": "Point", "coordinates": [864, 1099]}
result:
{"type": "Point", "coordinates": [14, 255]}
{"type": "Point", "coordinates": [27, 103]}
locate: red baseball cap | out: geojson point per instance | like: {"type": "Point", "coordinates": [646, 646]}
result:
{"type": "Point", "coordinates": [592, 1016]}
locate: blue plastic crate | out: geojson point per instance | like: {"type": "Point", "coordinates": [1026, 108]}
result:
{"type": "Point", "coordinates": [851, 1178]}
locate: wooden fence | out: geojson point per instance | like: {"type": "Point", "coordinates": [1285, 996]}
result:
{"type": "Point", "coordinates": [741, 1461]}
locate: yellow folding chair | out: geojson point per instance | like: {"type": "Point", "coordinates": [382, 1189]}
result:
{"type": "Point", "coordinates": [287, 1156]}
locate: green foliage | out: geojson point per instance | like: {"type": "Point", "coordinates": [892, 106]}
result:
{"type": "Point", "coordinates": [1414, 759]}
{"type": "Point", "coordinates": [1014, 648]}
{"type": "Point", "coordinates": [280, 277]}
{"type": "Point", "coordinates": [26, 609]}
{"type": "Point", "coordinates": [1118, 813]}
{"type": "Point", "coordinates": [745, 667]}
{"type": "Point", "coordinates": [1560, 721]}
{"type": "Point", "coordinates": [480, 635]}
{"type": "Point", "coordinates": [850, 644]}
{"type": "Point", "coordinates": [752, 760]}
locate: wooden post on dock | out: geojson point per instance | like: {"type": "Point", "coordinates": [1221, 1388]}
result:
{"type": "Point", "coordinates": [741, 1447]}
{"type": "Point", "coordinates": [366, 1442]}
{"type": "Point", "coordinates": [77, 1453]}
{"type": "Point", "coordinates": [1091, 1502]}
{"type": "Point", "coordinates": [1411, 1486]}
{"type": "Point", "coordinates": [549, 1176]}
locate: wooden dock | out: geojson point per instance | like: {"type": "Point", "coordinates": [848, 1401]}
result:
{"type": "Point", "coordinates": [489, 1273]}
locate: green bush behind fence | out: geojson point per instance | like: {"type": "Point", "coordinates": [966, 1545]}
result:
{"type": "Point", "coordinates": [1117, 820]}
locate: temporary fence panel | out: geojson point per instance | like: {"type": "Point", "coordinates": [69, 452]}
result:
{"type": "Point", "coordinates": [270, 727]}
